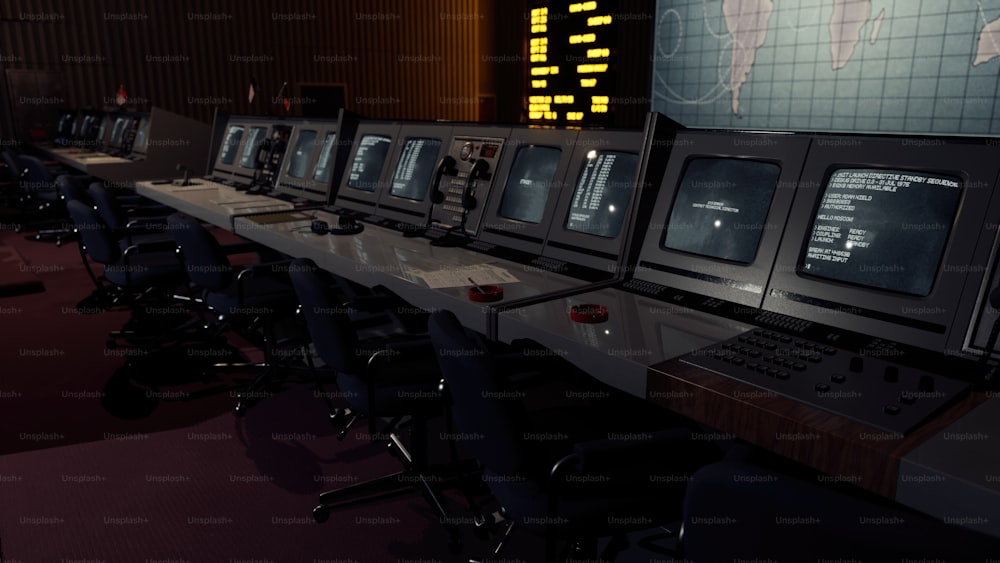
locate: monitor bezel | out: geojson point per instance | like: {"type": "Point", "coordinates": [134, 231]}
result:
{"type": "Point", "coordinates": [713, 277]}
{"type": "Point", "coordinates": [147, 121]}
{"type": "Point", "coordinates": [581, 248]}
{"type": "Point", "coordinates": [303, 187]}
{"type": "Point", "coordinates": [514, 233]}
{"type": "Point", "coordinates": [361, 201]}
{"type": "Point", "coordinates": [235, 170]}
{"type": "Point", "coordinates": [408, 211]}
{"type": "Point", "coordinates": [927, 322]}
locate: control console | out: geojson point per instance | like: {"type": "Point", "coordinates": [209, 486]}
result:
{"type": "Point", "coordinates": [867, 388]}
{"type": "Point", "coordinates": [463, 190]}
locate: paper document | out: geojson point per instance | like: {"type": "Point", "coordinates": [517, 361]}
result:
{"type": "Point", "coordinates": [482, 274]}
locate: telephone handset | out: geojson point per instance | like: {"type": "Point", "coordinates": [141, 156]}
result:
{"type": "Point", "coordinates": [445, 166]}
{"type": "Point", "coordinates": [269, 155]}
{"type": "Point", "coordinates": [478, 169]}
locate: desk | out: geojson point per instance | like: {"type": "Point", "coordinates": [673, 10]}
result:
{"type": "Point", "coordinates": [639, 332]}
{"type": "Point", "coordinates": [210, 201]}
{"type": "Point", "coordinates": [381, 256]}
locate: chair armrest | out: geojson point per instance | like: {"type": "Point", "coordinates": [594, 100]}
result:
{"type": "Point", "coordinates": [139, 248]}
{"type": "Point", "coordinates": [278, 268]}
{"type": "Point", "coordinates": [146, 224]}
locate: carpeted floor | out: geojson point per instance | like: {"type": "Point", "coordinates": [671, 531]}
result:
{"type": "Point", "coordinates": [224, 490]}
{"type": "Point", "coordinates": [16, 277]}
{"type": "Point", "coordinates": [110, 457]}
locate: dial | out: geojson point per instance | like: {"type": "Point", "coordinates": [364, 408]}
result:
{"type": "Point", "coordinates": [466, 151]}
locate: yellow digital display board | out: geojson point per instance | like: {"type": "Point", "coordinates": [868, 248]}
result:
{"type": "Point", "coordinates": [570, 63]}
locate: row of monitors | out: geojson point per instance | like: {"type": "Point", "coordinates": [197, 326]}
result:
{"type": "Point", "coordinates": [310, 159]}
{"type": "Point", "coordinates": [126, 133]}
{"type": "Point", "coordinates": [879, 235]}
{"type": "Point", "coordinates": [502, 185]}
{"type": "Point", "coordinates": [888, 237]}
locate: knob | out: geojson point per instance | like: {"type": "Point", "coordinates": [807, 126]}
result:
{"type": "Point", "coordinates": [926, 383]}
{"type": "Point", "coordinates": [857, 364]}
{"type": "Point", "coordinates": [891, 374]}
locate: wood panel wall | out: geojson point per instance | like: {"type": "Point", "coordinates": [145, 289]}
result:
{"type": "Point", "coordinates": [395, 58]}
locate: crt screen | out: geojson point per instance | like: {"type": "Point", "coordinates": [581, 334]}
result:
{"type": "Point", "coordinates": [322, 172]}
{"type": "Point", "coordinates": [602, 194]}
{"type": "Point", "coordinates": [528, 185]}
{"type": "Point", "coordinates": [414, 169]}
{"type": "Point", "coordinates": [883, 229]}
{"type": "Point", "coordinates": [720, 208]}
{"type": "Point", "coordinates": [368, 162]}
{"type": "Point", "coordinates": [301, 153]}
{"type": "Point", "coordinates": [231, 144]}
{"type": "Point", "coordinates": [249, 157]}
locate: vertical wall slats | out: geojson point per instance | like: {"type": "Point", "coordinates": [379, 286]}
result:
{"type": "Point", "coordinates": [449, 71]}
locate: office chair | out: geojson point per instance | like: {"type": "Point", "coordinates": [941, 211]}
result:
{"type": "Point", "coordinates": [138, 223]}
{"type": "Point", "coordinates": [68, 188]}
{"type": "Point", "coordinates": [38, 184]}
{"type": "Point", "coordinates": [251, 298]}
{"type": "Point", "coordinates": [138, 274]}
{"type": "Point", "coordinates": [784, 514]}
{"type": "Point", "coordinates": [574, 474]}
{"type": "Point", "coordinates": [383, 375]}
{"type": "Point", "coordinates": [10, 180]}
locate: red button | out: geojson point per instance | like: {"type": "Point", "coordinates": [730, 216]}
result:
{"type": "Point", "coordinates": [588, 313]}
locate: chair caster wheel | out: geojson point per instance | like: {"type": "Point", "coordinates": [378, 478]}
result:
{"type": "Point", "coordinates": [455, 546]}
{"type": "Point", "coordinates": [321, 514]}
{"type": "Point", "coordinates": [240, 409]}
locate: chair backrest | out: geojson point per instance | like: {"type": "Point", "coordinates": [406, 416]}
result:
{"type": "Point", "coordinates": [94, 234]}
{"type": "Point", "coordinates": [69, 188]}
{"type": "Point", "coordinates": [14, 168]}
{"type": "Point", "coordinates": [204, 259]}
{"type": "Point", "coordinates": [36, 172]}
{"type": "Point", "coordinates": [329, 326]}
{"type": "Point", "coordinates": [107, 206]}
{"type": "Point", "coordinates": [480, 401]}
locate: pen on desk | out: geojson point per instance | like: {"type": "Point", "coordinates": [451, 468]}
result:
{"type": "Point", "coordinates": [476, 285]}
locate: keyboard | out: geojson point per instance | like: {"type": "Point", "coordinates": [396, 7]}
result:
{"type": "Point", "coordinates": [867, 388]}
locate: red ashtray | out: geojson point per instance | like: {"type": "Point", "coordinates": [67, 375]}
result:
{"type": "Point", "coordinates": [486, 293]}
{"type": "Point", "coordinates": [588, 313]}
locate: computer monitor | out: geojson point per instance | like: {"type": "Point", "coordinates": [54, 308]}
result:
{"type": "Point", "coordinates": [255, 135]}
{"type": "Point", "coordinates": [590, 223]}
{"type": "Point", "coordinates": [315, 157]}
{"type": "Point", "coordinates": [90, 131]}
{"type": "Point", "coordinates": [529, 183]}
{"type": "Point", "coordinates": [66, 126]}
{"type": "Point", "coordinates": [415, 161]}
{"type": "Point", "coordinates": [368, 172]}
{"type": "Point", "coordinates": [237, 154]}
{"type": "Point", "coordinates": [719, 213]}
{"type": "Point", "coordinates": [104, 130]}
{"type": "Point", "coordinates": [141, 141]}
{"type": "Point", "coordinates": [881, 237]}
{"type": "Point", "coordinates": [117, 135]}
{"type": "Point", "coordinates": [476, 153]}
{"type": "Point", "coordinates": [230, 147]}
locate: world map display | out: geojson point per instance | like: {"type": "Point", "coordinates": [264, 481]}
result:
{"type": "Point", "coordinates": [904, 66]}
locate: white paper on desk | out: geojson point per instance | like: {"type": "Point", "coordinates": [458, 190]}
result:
{"type": "Point", "coordinates": [483, 274]}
